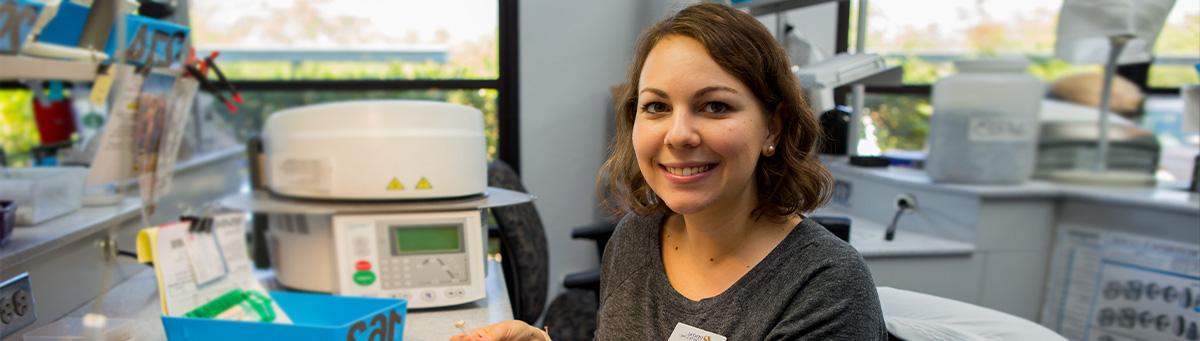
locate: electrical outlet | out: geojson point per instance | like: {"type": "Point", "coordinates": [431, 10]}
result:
{"type": "Point", "coordinates": [17, 308]}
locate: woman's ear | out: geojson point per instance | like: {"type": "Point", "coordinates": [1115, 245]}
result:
{"type": "Point", "coordinates": [774, 127]}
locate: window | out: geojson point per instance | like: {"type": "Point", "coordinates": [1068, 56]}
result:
{"type": "Point", "coordinates": [1177, 50]}
{"type": "Point", "coordinates": [926, 38]}
{"type": "Point", "coordinates": [366, 39]}
{"type": "Point", "coordinates": [283, 54]}
{"type": "Point", "coordinates": [259, 104]}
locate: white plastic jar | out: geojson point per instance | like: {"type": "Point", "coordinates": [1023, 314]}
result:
{"type": "Point", "coordinates": [985, 123]}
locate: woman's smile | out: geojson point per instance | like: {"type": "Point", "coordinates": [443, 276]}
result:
{"type": "Point", "coordinates": [687, 172]}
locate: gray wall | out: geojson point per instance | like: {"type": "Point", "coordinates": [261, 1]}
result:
{"type": "Point", "coordinates": [571, 53]}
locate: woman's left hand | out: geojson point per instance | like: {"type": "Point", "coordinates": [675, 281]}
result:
{"type": "Point", "coordinates": [511, 330]}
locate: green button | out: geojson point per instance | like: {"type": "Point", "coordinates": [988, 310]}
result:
{"type": "Point", "coordinates": [364, 278]}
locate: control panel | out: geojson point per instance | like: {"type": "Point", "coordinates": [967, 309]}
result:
{"type": "Point", "coordinates": [432, 259]}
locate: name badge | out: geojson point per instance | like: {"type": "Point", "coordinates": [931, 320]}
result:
{"type": "Point", "coordinates": [685, 332]}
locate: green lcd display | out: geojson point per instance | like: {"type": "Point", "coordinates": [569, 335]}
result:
{"type": "Point", "coordinates": [425, 239]}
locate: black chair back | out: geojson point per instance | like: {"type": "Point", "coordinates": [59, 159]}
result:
{"type": "Point", "coordinates": [522, 247]}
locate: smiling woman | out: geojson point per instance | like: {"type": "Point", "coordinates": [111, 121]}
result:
{"type": "Point", "coordinates": [713, 166]}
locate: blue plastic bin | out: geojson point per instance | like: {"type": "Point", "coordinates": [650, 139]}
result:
{"type": "Point", "coordinates": [144, 37]}
{"type": "Point", "coordinates": [17, 15]}
{"type": "Point", "coordinates": [67, 25]}
{"type": "Point", "coordinates": [314, 317]}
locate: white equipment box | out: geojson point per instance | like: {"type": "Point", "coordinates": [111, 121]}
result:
{"type": "Point", "coordinates": [432, 259]}
{"type": "Point", "coordinates": [376, 150]}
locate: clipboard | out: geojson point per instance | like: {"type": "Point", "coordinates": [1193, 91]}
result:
{"type": "Point", "coordinates": [198, 263]}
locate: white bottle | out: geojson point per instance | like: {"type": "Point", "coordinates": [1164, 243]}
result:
{"type": "Point", "coordinates": [985, 123]}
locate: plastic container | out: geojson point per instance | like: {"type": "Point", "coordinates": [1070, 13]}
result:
{"type": "Point", "coordinates": [314, 317]}
{"type": "Point", "coordinates": [985, 123]}
{"type": "Point", "coordinates": [146, 38]}
{"type": "Point", "coordinates": [42, 193]}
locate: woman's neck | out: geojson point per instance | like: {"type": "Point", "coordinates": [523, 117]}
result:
{"type": "Point", "coordinates": [726, 231]}
{"type": "Point", "coordinates": [713, 233]}
{"type": "Point", "coordinates": [704, 253]}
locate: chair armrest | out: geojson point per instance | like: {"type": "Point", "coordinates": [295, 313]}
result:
{"type": "Point", "coordinates": [596, 231]}
{"type": "Point", "coordinates": [839, 226]}
{"type": "Point", "coordinates": [586, 280]}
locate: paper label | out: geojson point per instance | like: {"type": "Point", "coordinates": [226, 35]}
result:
{"type": "Point", "coordinates": [205, 257]}
{"type": "Point", "coordinates": [176, 122]}
{"type": "Point", "coordinates": [177, 272]}
{"type": "Point", "coordinates": [297, 174]}
{"type": "Point", "coordinates": [114, 157]}
{"type": "Point", "coordinates": [1115, 286]}
{"type": "Point", "coordinates": [685, 332]}
{"type": "Point", "coordinates": [102, 85]}
{"type": "Point", "coordinates": [1001, 129]}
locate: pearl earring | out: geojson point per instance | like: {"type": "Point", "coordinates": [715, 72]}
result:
{"type": "Point", "coordinates": [770, 150]}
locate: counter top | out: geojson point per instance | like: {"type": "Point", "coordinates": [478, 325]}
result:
{"type": "Point", "coordinates": [867, 237]}
{"type": "Point", "coordinates": [28, 242]}
{"type": "Point", "coordinates": [908, 177]}
{"type": "Point", "coordinates": [1164, 197]}
{"type": "Point", "coordinates": [137, 300]}
{"type": "Point", "coordinates": [1161, 198]}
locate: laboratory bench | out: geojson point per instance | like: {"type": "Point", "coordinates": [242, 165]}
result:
{"type": "Point", "coordinates": [1021, 249]}
{"type": "Point", "coordinates": [136, 300]}
{"type": "Point", "coordinates": [65, 256]}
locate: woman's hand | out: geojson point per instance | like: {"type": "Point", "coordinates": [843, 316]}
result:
{"type": "Point", "coordinates": [511, 330]}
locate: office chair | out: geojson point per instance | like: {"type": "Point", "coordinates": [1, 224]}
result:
{"type": "Point", "coordinates": [522, 247]}
{"type": "Point", "coordinates": [572, 315]}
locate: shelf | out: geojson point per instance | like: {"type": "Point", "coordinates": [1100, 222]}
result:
{"type": "Point", "coordinates": [14, 68]}
{"type": "Point", "coordinates": [31, 242]}
{"type": "Point", "coordinates": [764, 7]}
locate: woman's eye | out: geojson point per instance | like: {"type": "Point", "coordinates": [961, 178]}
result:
{"type": "Point", "coordinates": [654, 107]}
{"type": "Point", "coordinates": [716, 107]}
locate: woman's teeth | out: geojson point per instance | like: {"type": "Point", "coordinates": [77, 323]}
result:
{"type": "Point", "coordinates": [689, 170]}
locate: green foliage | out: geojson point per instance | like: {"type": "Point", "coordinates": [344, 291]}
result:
{"type": "Point", "coordinates": [1172, 76]}
{"type": "Point", "coordinates": [260, 104]}
{"type": "Point", "coordinates": [18, 132]}
{"type": "Point", "coordinates": [902, 121]}
{"type": "Point", "coordinates": [342, 70]}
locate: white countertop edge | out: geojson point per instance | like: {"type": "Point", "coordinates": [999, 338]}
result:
{"type": "Point", "coordinates": [915, 178]}
{"type": "Point", "coordinates": [866, 236]}
{"type": "Point", "coordinates": [1157, 198]}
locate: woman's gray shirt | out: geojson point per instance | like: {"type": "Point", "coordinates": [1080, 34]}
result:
{"type": "Point", "coordinates": [811, 286]}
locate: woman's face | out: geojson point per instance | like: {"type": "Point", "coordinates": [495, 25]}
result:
{"type": "Point", "coordinates": [698, 131]}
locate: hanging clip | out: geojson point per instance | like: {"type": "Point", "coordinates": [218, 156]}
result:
{"type": "Point", "coordinates": [210, 61]}
{"type": "Point", "coordinates": [198, 224]}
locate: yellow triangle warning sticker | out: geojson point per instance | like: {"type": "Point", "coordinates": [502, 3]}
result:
{"type": "Point", "coordinates": [424, 184]}
{"type": "Point", "coordinates": [395, 185]}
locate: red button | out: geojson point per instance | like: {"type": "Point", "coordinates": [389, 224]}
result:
{"type": "Point", "coordinates": [362, 265]}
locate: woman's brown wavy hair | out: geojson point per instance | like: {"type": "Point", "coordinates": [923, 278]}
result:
{"type": "Point", "coordinates": [789, 182]}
